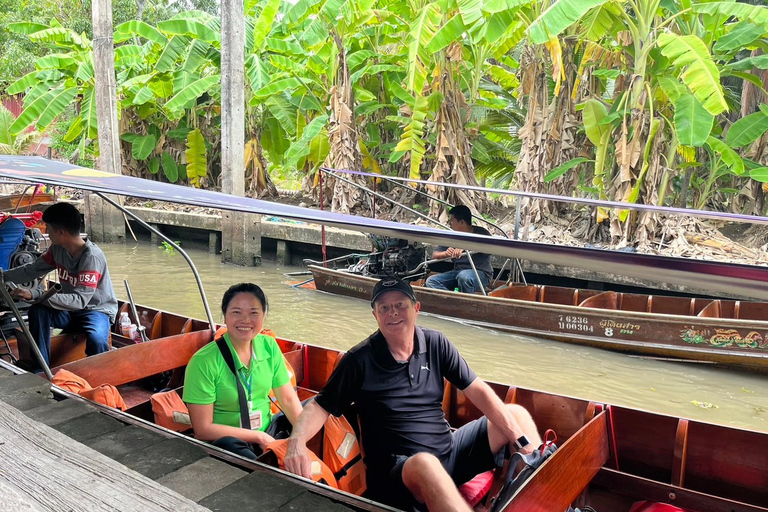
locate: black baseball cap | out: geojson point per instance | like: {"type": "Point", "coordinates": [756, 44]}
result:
{"type": "Point", "coordinates": [391, 284]}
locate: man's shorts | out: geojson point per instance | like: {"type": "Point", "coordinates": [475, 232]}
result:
{"type": "Point", "coordinates": [470, 455]}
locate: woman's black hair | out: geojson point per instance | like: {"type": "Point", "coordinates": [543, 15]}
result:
{"type": "Point", "coordinates": [251, 288]}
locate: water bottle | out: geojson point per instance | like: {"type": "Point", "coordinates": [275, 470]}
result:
{"type": "Point", "coordinates": [132, 332]}
{"type": "Point", "coordinates": [125, 323]}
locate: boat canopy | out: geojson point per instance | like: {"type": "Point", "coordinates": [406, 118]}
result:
{"type": "Point", "coordinates": [727, 278]}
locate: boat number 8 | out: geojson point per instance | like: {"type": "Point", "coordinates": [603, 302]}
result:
{"type": "Point", "coordinates": [608, 331]}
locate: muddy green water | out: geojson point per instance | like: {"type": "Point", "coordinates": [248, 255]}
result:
{"type": "Point", "coordinates": [163, 280]}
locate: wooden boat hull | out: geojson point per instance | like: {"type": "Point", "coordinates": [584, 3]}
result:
{"type": "Point", "coordinates": [609, 456]}
{"type": "Point", "coordinates": [742, 343]}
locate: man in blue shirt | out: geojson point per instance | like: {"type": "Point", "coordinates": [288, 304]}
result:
{"type": "Point", "coordinates": [396, 380]}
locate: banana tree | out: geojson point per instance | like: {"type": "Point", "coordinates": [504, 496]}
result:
{"type": "Point", "coordinates": [13, 143]}
{"type": "Point", "coordinates": [658, 110]}
{"type": "Point", "coordinates": [61, 80]}
{"type": "Point", "coordinates": [326, 30]}
{"type": "Point", "coordinates": [449, 46]}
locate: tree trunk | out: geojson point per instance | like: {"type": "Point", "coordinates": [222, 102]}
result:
{"type": "Point", "coordinates": [548, 136]}
{"type": "Point", "coordinates": [342, 134]}
{"type": "Point", "coordinates": [258, 183]}
{"type": "Point", "coordinates": [751, 98]}
{"type": "Point", "coordinates": [453, 153]}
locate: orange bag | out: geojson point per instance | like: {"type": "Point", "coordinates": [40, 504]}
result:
{"type": "Point", "coordinates": [106, 394]}
{"type": "Point", "coordinates": [170, 411]}
{"type": "Point", "coordinates": [321, 473]}
{"type": "Point", "coordinates": [341, 452]}
{"type": "Point", "coordinates": [69, 381]}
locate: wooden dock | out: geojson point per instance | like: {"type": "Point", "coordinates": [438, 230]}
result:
{"type": "Point", "coordinates": [69, 455]}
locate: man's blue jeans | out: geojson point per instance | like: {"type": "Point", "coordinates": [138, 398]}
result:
{"type": "Point", "coordinates": [464, 279]}
{"type": "Point", "coordinates": [95, 324]}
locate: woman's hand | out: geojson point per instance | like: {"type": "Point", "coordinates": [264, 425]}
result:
{"type": "Point", "coordinates": [264, 439]}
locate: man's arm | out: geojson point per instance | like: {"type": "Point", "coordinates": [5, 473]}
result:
{"type": "Point", "coordinates": [484, 398]}
{"type": "Point", "coordinates": [311, 420]}
{"type": "Point", "coordinates": [38, 268]}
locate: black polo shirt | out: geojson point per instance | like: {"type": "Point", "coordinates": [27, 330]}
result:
{"type": "Point", "coordinates": [400, 404]}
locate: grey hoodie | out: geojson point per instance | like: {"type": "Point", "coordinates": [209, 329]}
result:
{"type": "Point", "coordinates": [85, 282]}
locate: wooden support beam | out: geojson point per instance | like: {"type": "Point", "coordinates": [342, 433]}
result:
{"type": "Point", "coordinates": [105, 223]}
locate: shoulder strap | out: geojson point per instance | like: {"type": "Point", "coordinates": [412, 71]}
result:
{"type": "Point", "coordinates": [245, 421]}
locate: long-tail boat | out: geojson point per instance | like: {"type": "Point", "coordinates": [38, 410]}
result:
{"type": "Point", "coordinates": [609, 457]}
{"type": "Point", "coordinates": [728, 332]}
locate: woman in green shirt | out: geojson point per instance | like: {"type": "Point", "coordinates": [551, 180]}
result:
{"type": "Point", "coordinates": [210, 388]}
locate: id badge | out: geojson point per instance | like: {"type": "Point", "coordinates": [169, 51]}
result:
{"type": "Point", "coordinates": [255, 418]}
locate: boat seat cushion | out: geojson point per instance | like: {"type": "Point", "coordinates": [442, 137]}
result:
{"type": "Point", "coordinates": [475, 490]}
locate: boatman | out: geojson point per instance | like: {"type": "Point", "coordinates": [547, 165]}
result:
{"type": "Point", "coordinates": [395, 378]}
{"type": "Point", "coordinates": [86, 301]}
{"type": "Point", "coordinates": [462, 275]}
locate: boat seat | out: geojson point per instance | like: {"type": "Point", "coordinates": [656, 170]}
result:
{"type": "Point", "coordinates": [557, 295]}
{"type": "Point", "coordinates": [671, 305]}
{"type": "Point", "coordinates": [67, 347]}
{"type": "Point", "coordinates": [712, 310]}
{"type": "Point", "coordinates": [604, 300]}
{"type": "Point", "coordinates": [750, 310]}
{"type": "Point", "coordinates": [529, 293]}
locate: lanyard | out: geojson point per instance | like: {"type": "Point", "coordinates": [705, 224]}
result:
{"type": "Point", "coordinates": [247, 382]}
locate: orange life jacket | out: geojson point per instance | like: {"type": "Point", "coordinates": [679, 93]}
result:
{"type": "Point", "coordinates": [170, 411]}
{"type": "Point", "coordinates": [69, 381]}
{"type": "Point", "coordinates": [106, 394]}
{"type": "Point", "coordinates": [341, 452]}
{"type": "Point", "coordinates": [321, 473]}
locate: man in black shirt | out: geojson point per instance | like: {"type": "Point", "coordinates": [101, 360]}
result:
{"type": "Point", "coordinates": [462, 275]}
{"type": "Point", "coordinates": [395, 378]}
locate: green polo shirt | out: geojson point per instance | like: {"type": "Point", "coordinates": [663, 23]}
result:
{"type": "Point", "coordinates": [208, 380]}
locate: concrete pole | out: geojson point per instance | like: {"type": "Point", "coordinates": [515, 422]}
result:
{"type": "Point", "coordinates": [241, 234]}
{"type": "Point", "coordinates": [104, 223]}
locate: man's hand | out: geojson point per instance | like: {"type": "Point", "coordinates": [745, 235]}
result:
{"type": "Point", "coordinates": [21, 294]}
{"type": "Point", "coordinates": [454, 252]}
{"type": "Point", "coordinates": [297, 459]}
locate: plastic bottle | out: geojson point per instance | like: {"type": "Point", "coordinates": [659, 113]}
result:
{"type": "Point", "coordinates": [125, 322]}
{"type": "Point", "coordinates": [131, 334]}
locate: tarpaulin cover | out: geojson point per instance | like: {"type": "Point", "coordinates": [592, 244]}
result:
{"type": "Point", "coordinates": [733, 279]}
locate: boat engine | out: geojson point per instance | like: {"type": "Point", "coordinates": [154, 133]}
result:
{"type": "Point", "coordinates": [31, 247]}
{"type": "Point", "coordinates": [393, 256]}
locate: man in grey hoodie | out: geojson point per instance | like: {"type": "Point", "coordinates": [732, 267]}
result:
{"type": "Point", "coordinates": [86, 301]}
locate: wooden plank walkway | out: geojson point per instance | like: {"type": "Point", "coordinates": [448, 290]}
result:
{"type": "Point", "coordinates": [67, 455]}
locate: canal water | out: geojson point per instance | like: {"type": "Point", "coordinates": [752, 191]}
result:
{"type": "Point", "coordinates": [162, 279]}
